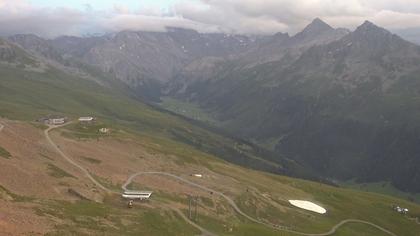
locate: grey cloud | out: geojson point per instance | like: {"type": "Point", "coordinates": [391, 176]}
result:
{"type": "Point", "coordinates": [293, 15]}
{"type": "Point", "coordinates": [149, 23]}
{"type": "Point", "coordinates": [233, 16]}
{"type": "Point", "coordinates": [46, 22]}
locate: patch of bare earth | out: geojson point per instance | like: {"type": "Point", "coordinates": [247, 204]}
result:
{"type": "Point", "coordinates": [27, 175]}
{"type": "Point", "coordinates": [21, 219]}
{"type": "Point", "coordinates": [28, 172]}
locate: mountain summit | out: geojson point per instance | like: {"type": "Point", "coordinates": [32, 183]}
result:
{"type": "Point", "coordinates": [369, 27]}
{"type": "Point", "coordinates": [371, 38]}
{"type": "Point", "coordinates": [318, 32]}
{"type": "Point", "coordinates": [316, 27]}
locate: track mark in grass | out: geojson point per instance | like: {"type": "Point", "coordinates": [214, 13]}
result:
{"type": "Point", "coordinates": [106, 182]}
{"type": "Point", "coordinates": [58, 172]}
{"type": "Point", "coordinates": [91, 160]}
{"type": "Point", "coordinates": [46, 157]}
{"type": "Point", "coordinates": [39, 125]}
{"type": "Point", "coordinates": [8, 195]}
{"type": "Point", "coordinates": [4, 153]}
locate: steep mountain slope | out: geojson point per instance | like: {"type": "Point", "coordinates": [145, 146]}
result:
{"type": "Point", "coordinates": [142, 60]}
{"type": "Point", "coordinates": [347, 108]}
{"type": "Point", "coordinates": [38, 45]}
{"type": "Point", "coordinates": [29, 92]}
{"type": "Point", "coordinates": [146, 61]}
{"type": "Point", "coordinates": [281, 45]}
{"type": "Point", "coordinates": [279, 48]}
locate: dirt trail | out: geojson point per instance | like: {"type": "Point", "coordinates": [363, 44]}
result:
{"type": "Point", "coordinates": [228, 199]}
{"type": "Point", "coordinates": [335, 228]}
{"type": "Point", "coordinates": [87, 174]}
{"type": "Point", "coordinates": [204, 232]}
{"type": "Point", "coordinates": [71, 161]}
{"type": "Point", "coordinates": [239, 211]}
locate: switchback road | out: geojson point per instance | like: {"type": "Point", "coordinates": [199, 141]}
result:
{"type": "Point", "coordinates": [204, 188]}
{"type": "Point", "coordinates": [239, 211]}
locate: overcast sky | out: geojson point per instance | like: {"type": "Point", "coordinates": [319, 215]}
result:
{"type": "Point", "coordinates": [50, 18]}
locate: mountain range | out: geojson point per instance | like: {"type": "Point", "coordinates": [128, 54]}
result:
{"type": "Point", "coordinates": [344, 104]}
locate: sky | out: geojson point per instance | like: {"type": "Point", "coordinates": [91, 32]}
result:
{"type": "Point", "coordinates": [101, 4]}
{"type": "Point", "coordinates": [52, 18]}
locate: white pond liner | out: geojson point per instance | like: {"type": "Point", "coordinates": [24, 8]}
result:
{"type": "Point", "coordinates": [310, 206]}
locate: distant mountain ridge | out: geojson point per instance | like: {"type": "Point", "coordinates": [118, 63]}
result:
{"type": "Point", "coordinates": [143, 60]}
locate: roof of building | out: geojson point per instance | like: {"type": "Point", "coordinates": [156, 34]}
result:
{"type": "Point", "coordinates": [86, 118]}
{"type": "Point", "coordinates": [137, 192]}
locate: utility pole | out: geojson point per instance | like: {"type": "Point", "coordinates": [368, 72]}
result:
{"type": "Point", "coordinates": [195, 210]}
{"type": "Point", "coordinates": [189, 206]}
{"type": "Point", "coordinates": [193, 207]}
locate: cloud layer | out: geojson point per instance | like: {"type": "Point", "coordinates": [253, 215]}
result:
{"type": "Point", "coordinates": [233, 16]}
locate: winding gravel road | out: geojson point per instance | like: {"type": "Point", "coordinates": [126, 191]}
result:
{"type": "Point", "coordinates": [228, 199]}
{"type": "Point", "coordinates": [186, 181]}
{"type": "Point", "coordinates": [1, 127]}
{"type": "Point", "coordinates": [239, 211]}
{"type": "Point", "coordinates": [204, 232]}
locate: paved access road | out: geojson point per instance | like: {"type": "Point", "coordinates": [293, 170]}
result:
{"type": "Point", "coordinates": [186, 181]}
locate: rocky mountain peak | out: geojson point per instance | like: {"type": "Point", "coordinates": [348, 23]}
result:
{"type": "Point", "coordinates": [369, 28]}
{"type": "Point", "coordinates": [281, 35]}
{"type": "Point", "coordinates": [375, 37]}
{"type": "Point", "coordinates": [317, 26]}
{"type": "Point", "coordinates": [317, 30]}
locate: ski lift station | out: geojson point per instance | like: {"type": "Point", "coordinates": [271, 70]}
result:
{"type": "Point", "coordinates": [137, 195]}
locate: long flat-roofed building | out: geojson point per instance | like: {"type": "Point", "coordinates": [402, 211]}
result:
{"type": "Point", "coordinates": [58, 121]}
{"type": "Point", "coordinates": [139, 195]}
{"type": "Point", "coordinates": [86, 119]}
{"type": "Point", "coordinates": [53, 120]}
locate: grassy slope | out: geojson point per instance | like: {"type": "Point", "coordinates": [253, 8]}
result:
{"type": "Point", "coordinates": [190, 110]}
{"type": "Point", "coordinates": [4, 153]}
{"type": "Point", "coordinates": [28, 95]}
{"type": "Point", "coordinates": [359, 229]}
{"type": "Point", "coordinates": [91, 218]}
{"type": "Point", "coordinates": [341, 203]}
{"type": "Point", "coordinates": [391, 103]}
{"type": "Point", "coordinates": [382, 188]}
